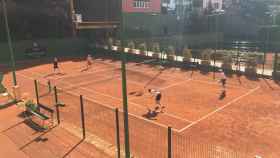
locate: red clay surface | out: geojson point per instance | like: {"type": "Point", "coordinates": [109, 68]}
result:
{"type": "Point", "coordinates": [246, 120]}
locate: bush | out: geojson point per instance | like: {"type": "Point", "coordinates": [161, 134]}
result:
{"type": "Point", "coordinates": [227, 63]}
{"type": "Point", "coordinates": [171, 50]}
{"type": "Point", "coordinates": [205, 57]}
{"type": "Point", "coordinates": [142, 47]}
{"type": "Point", "coordinates": [131, 46]}
{"type": "Point", "coordinates": [187, 54]}
{"type": "Point", "coordinates": [258, 57]}
{"type": "Point", "coordinates": [251, 66]}
{"type": "Point", "coordinates": [217, 56]}
{"type": "Point", "coordinates": [156, 47]}
{"type": "Point", "coordinates": [277, 67]}
{"type": "Point", "coordinates": [110, 42]}
{"type": "Point", "coordinates": [118, 44]}
{"type": "Point", "coordinates": [251, 62]}
{"type": "Point", "coordinates": [170, 53]}
{"type": "Point", "coordinates": [276, 75]}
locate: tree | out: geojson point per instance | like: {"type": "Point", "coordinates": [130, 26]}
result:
{"type": "Point", "coordinates": [156, 50]}
{"type": "Point", "coordinates": [29, 19]}
{"type": "Point", "coordinates": [251, 66]}
{"type": "Point", "coordinates": [187, 54]}
{"type": "Point", "coordinates": [254, 10]}
{"type": "Point", "coordinates": [131, 46]}
{"type": "Point", "coordinates": [227, 63]}
{"type": "Point", "coordinates": [143, 48]}
{"type": "Point", "coordinates": [170, 53]}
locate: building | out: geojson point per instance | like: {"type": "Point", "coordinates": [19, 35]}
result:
{"type": "Point", "coordinates": [229, 3]}
{"type": "Point", "coordinates": [141, 18]}
{"type": "Point", "coordinates": [216, 4]}
{"type": "Point", "coordinates": [142, 6]}
{"type": "Point", "coordinates": [183, 8]}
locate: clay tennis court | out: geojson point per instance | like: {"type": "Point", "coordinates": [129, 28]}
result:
{"type": "Point", "coordinates": [246, 120]}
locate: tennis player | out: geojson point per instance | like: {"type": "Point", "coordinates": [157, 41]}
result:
{"type": "Point", "coordinates": [157, 94]}
{"type": "Point", "coordinates": [89, 61]}
{"type": "Point", "coordinates": [223, 79]}
{"type": "Point", "coordinates": [56, 66]}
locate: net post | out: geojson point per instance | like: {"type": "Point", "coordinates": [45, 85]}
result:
{"type": "Point", "coordinates": [82, 117]}
{"type": "Point", "coordinates": [169, 142]}
{"type": "Point", "coordinates": [56, 105]}
{"type": "Point", "coordinates": [36, 91]}
{"type": "Point", "coordinates": [118, 133]}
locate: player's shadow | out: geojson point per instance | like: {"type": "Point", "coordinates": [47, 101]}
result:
{"type": "Point", "coordinates": [268, 84]}
{"type": "Point", "coordinates": [85, 69]}
{"type": "Point", "coordinates": [154, 78]}
{"type": "Point", "coordinates": [136, 93]}
{"type": "Point", "coordinates": [151, 115]}
{"type": "Point", "coordinates": [222, 95]}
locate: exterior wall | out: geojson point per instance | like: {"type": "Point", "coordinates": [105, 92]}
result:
{"type": "Point", "coordinates": [153, 7]}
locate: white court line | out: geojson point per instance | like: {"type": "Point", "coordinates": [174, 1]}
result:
{"type": "Point", "coordinates": [83, 73]}
{"type": "Point", "coordinates": [179, 118]}
{"type": "Point", "coordinates": [217, 83]}
{"type": "Point", "coordinates": [86, 83]}
{"type": "Point", "coordinates": [20, 74]}
{"type": "Point", "coordinates": [167, 114]}
{"type": "Point", "coordinates": [175, 84]}
{"type": "Point", "coordinates": [171, 115]}
{"type": "Point", "coordinates": [219, 109]}
{"type": "Point", "coordinates": [134, 82]}
{"type": "Point", "coordinates": [163, 88]}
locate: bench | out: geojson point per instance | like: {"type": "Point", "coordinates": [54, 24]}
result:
{"type": "Point", "coordinates": [39, 117]}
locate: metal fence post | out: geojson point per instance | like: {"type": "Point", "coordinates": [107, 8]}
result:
{"type": "Point", "coordinates": [118, 133]}
{"type": "Point", "coordinates": [263, 63]}
{"type": "Point", "coordinates": [56, 105]}
{"type": "Point", "coordinates": [36, 91]}
{"type": "Point", "coordinates": [9, 41]}
{"type": "Point", "coordinates": [49, 86]}
{"type": "Point", "coordinates": [82, 116]}
{"type": "Point", "coordinates": [169, 142]}
{"type": "Point", "coordinates": [275, 62]}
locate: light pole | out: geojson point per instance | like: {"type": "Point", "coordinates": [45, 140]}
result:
{"type": "Point", "coordinates": [9, 42]}
{"type": "Point", "coordinates": [124, 87]}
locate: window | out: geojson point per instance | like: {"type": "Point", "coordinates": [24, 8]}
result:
{"type": "Point", "coordinates": [141, 3]}
{"type": "Point", "coordinates": [216, 5]}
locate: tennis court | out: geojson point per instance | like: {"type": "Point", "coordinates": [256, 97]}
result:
{"type": "Point", "coordinates": [246, 120]}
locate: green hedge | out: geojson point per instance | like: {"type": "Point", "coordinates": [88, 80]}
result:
{"type": "Point", "coordinates": [55, 47]}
